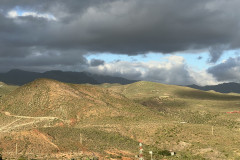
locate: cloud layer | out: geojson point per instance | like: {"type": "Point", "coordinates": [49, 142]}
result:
{"type": "Point", "coordinates": [172, 71]}
{"type": "Point", "coordinates": [121, 26]}
{"type": "Point", "coordinates": [57, 34]}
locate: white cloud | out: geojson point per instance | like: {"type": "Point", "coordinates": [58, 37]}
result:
{"type": "Point", "coordinates": [39, 15]}
{"type": "Point", "coordinates": [203, 78]}
{"type": "Point", "coordinates": [12, 14]}
{"type": "Point", "coordinates": [16, 14]}
{"type": "Point", "coordinates": [172, 71]}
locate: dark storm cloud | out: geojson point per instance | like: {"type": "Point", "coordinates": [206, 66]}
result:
{"type": "Point", "coordinates": [227, 71]}
{"type": "Point", "coordinates": [117, 26]}
{"type": "Point", "coordinates": [96, 62]}
{"type": "Point", "coordinates": [45, 60]}
{"type": "Point", "coordinates": [216, 52]}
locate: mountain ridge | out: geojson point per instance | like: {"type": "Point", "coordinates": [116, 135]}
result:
{"type": "Point", "coordinates": [231, 87]}
{"type": "Point", "coordinates": [21, 77]}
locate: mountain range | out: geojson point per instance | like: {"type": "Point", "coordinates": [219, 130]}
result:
{"type": "Point", "coordinates": [20, 77]}
{"type": "Point", "coordinates": [222, 88]}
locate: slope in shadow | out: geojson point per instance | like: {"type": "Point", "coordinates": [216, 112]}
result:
{"type": "Point", "coordinates": [197, 94]}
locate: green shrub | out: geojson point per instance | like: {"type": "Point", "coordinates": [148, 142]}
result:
{"type": "Point", "coordinates": [164, 153]}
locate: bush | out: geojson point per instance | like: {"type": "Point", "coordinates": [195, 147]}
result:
{"type": "Point", "coordinates": [164, 153]}
{"type": "Point", "coordinates": [22, 158]}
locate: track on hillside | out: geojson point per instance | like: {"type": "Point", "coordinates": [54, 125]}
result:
{"type": "Point", "coordinates": [23, 121]}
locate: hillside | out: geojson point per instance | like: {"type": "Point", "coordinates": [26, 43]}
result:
{"type": "Point", "coordinates": [191, 114]}
{"type": "Point", "coordinates": [142, 90]}
{"type": "Point", "coordinates": [45, 97]}
{"type": "Point", "coordinates": [4, 88]}
{"type": "Point", "coordinates": [48, 117]}
{"type": "Point", "coordinates": [20, 77]}
{"type": "Point", "coordinates": [47, 107]}
{"type": "Point", "coordinates": [166, 97]}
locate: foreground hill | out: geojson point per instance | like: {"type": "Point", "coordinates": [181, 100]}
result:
{"type": "Point", "coordinates": [20, 77]}
{"type": "Point", "coordinates": [222, 88]}
{"type": "Point", "coordinates": [45, 97]}
{"type": "Point", "coordinates": [53, 114]}
{"type": "Point", "coordinates": [51, 119]}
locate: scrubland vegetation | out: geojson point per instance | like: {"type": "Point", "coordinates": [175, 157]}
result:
{"type": "Point", "coordinates": [109, 120]}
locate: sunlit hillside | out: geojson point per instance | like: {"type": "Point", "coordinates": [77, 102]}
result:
{"type": "Point", "coordinates": [4, 88]}
{"type": "Point", "coordinates": [47, 117]}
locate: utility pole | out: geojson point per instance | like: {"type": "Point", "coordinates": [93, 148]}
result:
{"type": "Point", "coordinates": [212, 130]}
{"type": "Point", "coordinates": [140, 152]}
{"type": "Point", "coordinates": [16, 150]}
{"type": "Point", "coordinates": [80, 138]}
{"type": "Point", "coordinates": [151, 153]}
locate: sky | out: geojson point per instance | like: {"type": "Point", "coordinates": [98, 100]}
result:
{"type": "Point", "coordinates": [178, 42]}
